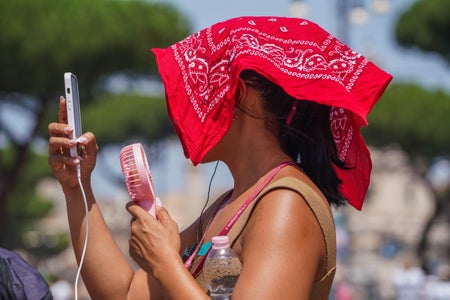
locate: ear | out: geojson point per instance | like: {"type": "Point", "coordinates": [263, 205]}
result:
{"type": "Point", "coordinates": [241, 90]}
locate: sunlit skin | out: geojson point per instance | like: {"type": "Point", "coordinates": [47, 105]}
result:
{"type": "Point", "coordinates": [281, 248]}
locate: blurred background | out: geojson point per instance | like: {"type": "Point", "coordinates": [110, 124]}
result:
{"type": "Point", "coordinates": [398, 244]}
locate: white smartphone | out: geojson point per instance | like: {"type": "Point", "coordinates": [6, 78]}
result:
{"type": "Point", "coordinates": [73, 108]}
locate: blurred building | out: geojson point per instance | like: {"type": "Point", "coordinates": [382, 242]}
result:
{"type": "Point", "coordinates": [372, 244]}
{"type": "Point", "coordinates": [385, 234]}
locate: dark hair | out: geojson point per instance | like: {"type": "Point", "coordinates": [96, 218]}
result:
{"type": "Point", "coordinates": [308, 135]}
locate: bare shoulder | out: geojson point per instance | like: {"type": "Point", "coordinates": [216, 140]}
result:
{"type": "Point", "coordinates": [282, 241]}
{"type": "Point", "coordinates": [283, 214]}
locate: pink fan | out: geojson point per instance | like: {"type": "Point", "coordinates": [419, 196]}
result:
{"type": "Point", "coordinates": [137, 176]}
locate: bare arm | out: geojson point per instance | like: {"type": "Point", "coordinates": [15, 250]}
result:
{"type": "Point", "coordinates": [154, 243]}
{"type": "Point", "coordinates": [155, 246]}
{"type": "Point", "coordinates": [106, 272]}
{"type": "Point", "coordinates": [282, 249]}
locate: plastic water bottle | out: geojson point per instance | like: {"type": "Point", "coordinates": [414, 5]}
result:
{"type": "Point", "coordinates": [221, 269]}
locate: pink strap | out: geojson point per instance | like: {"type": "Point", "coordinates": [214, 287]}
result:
{"type": "Point", "coordinates": [236, 216]}
{"type": "Point", "coordinates": [252, 197]}
{"type": "Point", "coordinates": [190, 259]}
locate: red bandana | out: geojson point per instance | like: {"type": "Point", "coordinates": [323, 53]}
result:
{"type": "Point", "coordinates": [201, 71]}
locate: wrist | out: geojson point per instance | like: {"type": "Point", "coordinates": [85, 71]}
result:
{"type": "Point", "coordinates": [74, 193]}
{"type": "Point", "coordinates": [177, 281]}
{"type": "Point", "coordinates": [167, 266]}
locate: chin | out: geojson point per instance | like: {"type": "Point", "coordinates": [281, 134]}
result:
{"type": "Point", "coordinates": [206, 160]}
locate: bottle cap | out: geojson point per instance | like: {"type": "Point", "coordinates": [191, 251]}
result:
{"type": "Point", "coordinates": [220, 242]}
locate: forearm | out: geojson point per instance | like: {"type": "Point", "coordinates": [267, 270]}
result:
{"type": "Point", "coordinates": [177, 282]}
{"type": "Point", "coordinates": [106, 272]}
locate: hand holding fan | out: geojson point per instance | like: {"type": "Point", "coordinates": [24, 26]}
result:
{"type": "Point", "coordinates": [137, 176]}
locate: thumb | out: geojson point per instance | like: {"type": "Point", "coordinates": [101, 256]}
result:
{"type": "Point", "coordinates": [135, 210]}
{"type": "Point", "coordinates": [161, 212]}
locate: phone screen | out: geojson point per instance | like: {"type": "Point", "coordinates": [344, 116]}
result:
{"type": "Point", "coordinates": [73, 103]}
{"type": "Point", "coordinates": [76, 106]}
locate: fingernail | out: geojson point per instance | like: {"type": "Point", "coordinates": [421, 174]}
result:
{"type": "Point", "coordinates": [158, 202]}
{"type": "Point", "coordinates": [76, 160]}
{"type": "Point", "coordinates": [72, 142]}
{"type": "Point", "coordinates": [82, 140]}
{"type": "Point", "coordinates": [68, 129]}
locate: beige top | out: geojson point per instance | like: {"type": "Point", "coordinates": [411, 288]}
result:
{"type": "Point", "coordinates": [322, 212]}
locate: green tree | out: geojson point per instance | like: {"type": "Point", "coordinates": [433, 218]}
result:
{"type": "Point", "coordinates": [413, 117]}
{"type": "Point", "coordinates": [417, 120]}
{"type": "Point", "coordinates": [426, 25]}
{"type": "Point", "coordinates": [39, 41]}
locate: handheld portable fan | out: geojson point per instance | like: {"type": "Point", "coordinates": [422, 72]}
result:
{"type": "Point", "coordinates": [137, 176]}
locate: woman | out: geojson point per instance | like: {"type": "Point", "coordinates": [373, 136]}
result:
{"type": "Point", "coordinates": [280, 101]}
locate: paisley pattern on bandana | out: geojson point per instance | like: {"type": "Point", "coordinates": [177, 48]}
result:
{"type": "Point", "coordinates": [200, 74]}
{"type": "Point", "coordinates": [342, 131]}
{"type": "Point", "coordinates": [206, 82]}
{"type": "Point", "coordinates": [300, 58]}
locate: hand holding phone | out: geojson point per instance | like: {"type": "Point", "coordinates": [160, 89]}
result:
{"type": "Point", "coordinates": [73, 108]}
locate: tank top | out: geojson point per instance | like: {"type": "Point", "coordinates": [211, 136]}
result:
{"type": "Point", "coordinates": [321, 210]}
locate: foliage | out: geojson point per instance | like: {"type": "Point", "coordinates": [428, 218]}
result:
{"type": "Point", "coordinates": [24, 206]}
{"type": "Point", "coordinates": [117, 118]}
{"type": "Point", "coordinates": [421, 122]}
{"type": "Point", "coordinates": [417, 120]}
{"type": "Point", "coordinates": [426, 24]}
{"type": "Point", "coordinates": [413, 117]}
{"type": "Point", "coordinates": [39, 41]}
{"type": "Point", "coordinates": [43, 39]}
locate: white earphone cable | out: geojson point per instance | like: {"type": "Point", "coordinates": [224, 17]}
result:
{"type": "Point", "coordinates": [86, 230]}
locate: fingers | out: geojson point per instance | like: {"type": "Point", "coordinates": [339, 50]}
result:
{"type": "Point", "coordinates": [59, 139]}
{"type": "Point", "coordinates": [151, 241]}
{"type": "Point", "coordinates": [58, 150]}
{"type": "Point", "coordinates": [59, 129]}
{"type": "Point", "coordinates": [60, 145]}
{"type": "Point", "coordinates": [88, 143]}
{"type": "Point", "coordinates": [63, 165]}
{"type": "Point", "coordinates": [59, 142]}
{"type": "Point", "coordinates": [62, 112]}
{"type": "Point", "coordinates": [136, 211]}
{"type": "Point", "coordinates": [162, 214]}
{"type": "Point", "coordinates": [58, 161]}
